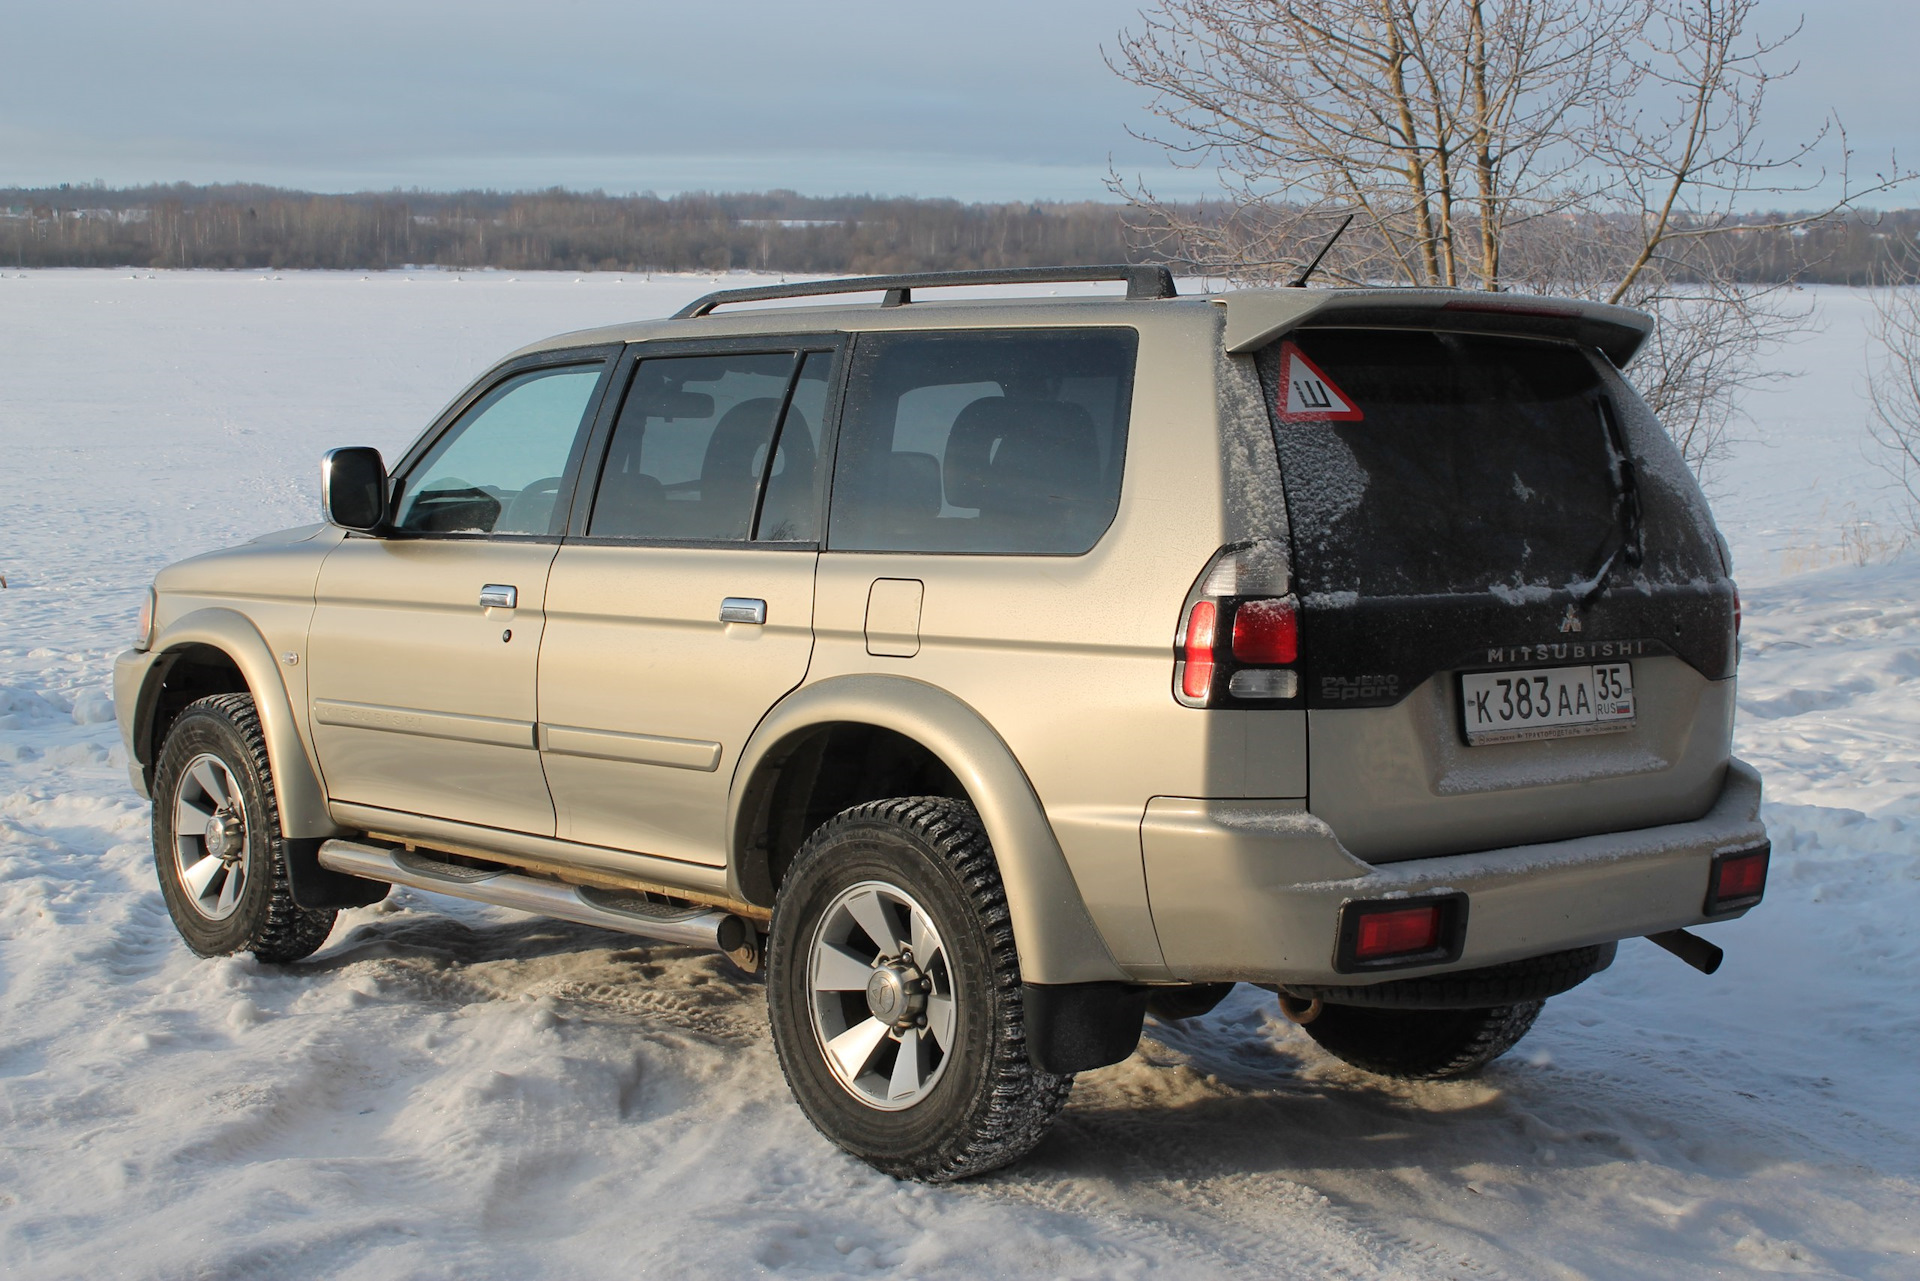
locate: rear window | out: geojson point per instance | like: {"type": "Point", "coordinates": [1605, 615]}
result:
{"type": "Point", "coordinates": [982, 442]}
{"type": "Point", "coordinates": [1422, 463]}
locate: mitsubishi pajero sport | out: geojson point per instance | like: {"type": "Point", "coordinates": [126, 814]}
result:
{"type": "Point", "coordinates": [992, 672]}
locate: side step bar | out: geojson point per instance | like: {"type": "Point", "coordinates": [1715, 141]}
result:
{"type": "Point", "coordinates": [692, 926]}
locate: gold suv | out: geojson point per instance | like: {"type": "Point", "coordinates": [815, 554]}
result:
{"type": "Point", "coordinates": [991, 673]}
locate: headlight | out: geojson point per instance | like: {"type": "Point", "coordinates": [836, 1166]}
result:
{"type": "Point", "coordinates": [144, 636]}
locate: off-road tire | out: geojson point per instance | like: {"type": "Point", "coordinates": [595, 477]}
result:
{"type": "Point", "coordinates": [1421, 1045]}
{"type": "Point", "coordinates": [990, 1106]}
{"type": "Point", "coordinates": [1511, 983]}
{"type": "Point", "coordinates": [266, 922]}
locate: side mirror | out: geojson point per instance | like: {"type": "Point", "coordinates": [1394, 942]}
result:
{"type": "Point", "coordinates": [353, 489]}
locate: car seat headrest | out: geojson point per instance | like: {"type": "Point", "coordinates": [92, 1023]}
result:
{"type": "Point", "coordinates": [1017, 456]}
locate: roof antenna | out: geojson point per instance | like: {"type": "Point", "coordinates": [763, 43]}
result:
{"type": "Point", "coordinates": [1300, 281]}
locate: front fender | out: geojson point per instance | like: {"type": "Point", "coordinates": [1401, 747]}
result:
{"type": "Point", "coordinates": [1056, 937]}
{"type": "Point", "coordinates": [296, 775]}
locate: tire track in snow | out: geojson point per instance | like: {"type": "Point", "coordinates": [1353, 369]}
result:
{"type": "Point", "coordinates": [1165, 1184]}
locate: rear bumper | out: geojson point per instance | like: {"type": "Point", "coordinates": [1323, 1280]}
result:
{"type": "Point", "coordinates": [1252, 890]}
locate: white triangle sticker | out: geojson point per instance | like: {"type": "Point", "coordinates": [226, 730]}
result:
{"type": "Point", "coordinates": [1307, 395]}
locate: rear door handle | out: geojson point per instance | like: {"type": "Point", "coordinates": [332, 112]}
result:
{"type": "Point", "coordinates": [499, 596]}
{"type": "Point", "coordinates": [743, 609]}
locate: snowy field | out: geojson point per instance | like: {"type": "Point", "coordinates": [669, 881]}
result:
{"type": "Point", "coordinates": [452, 1091]}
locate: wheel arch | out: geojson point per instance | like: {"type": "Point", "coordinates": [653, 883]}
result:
{"type": "Point", "coordinates": [1054, 933]}
{"type": "Point", "coordinates": [216, 651]}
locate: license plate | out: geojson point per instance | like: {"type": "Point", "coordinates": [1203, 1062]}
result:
{"type": "Point", "coordinates": [1548, 702]}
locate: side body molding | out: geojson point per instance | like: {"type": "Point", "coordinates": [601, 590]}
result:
{"type": "Point", "coordinates": [303, 799]}
{"type": "Point", "coordinates": [1056, 937]}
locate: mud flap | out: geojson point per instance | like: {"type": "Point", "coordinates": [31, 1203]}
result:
{"type": "Point", "coordinates": [1072, 1027]}
{"type": "Point", "coordinates": [315, 887]}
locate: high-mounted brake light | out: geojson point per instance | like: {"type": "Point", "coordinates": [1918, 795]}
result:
{"type": "Point", "coordinates": [1239, 631]}
{"type": "Point", "coordinates": [1514, 309]}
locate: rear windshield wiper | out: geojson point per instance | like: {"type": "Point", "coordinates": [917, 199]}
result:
{"type": "Point", "coordinates": [1626, 505]}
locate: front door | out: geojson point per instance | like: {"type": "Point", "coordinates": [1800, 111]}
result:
{"type": "Point", "coordinates": [425, 642]}
{"type": "Point", "coordinates": [683, 610]}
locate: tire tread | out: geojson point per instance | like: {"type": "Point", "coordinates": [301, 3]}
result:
{"type": "Point", "coordinates": [288, 932]}
{"type": "Point", "coordinates": [1024, 1100]}
{"type": "Point", "coordinates": [1422, 1045]}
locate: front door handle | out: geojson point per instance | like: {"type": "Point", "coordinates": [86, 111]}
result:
{"type": "Point", "coordinates": [743, 609]}
{"type": "Point", "coordinates": [499, 596]}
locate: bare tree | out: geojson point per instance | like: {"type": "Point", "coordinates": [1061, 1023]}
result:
{"type": "Point", "coordinates": [1608, 148]}
{"type": "Point", "coordinates": [1893, 383]}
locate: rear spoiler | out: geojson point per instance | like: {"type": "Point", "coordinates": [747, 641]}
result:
{"type": "Point", "coordinates": [1255, 317]}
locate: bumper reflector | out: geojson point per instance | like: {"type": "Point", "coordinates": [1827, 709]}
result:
{"type": "Point", "coordinates": [1738, 880]}
{"type": "Point", "coordinates": [1411, 929]}
{"type": "Point", "coordinates": [1390, 934]}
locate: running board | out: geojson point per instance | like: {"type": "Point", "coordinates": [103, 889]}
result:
{"type": "Point", "coordinates": [629, 913]}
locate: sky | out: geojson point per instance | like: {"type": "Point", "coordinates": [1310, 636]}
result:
{"type": "Point", "coordinates": [990, 100]}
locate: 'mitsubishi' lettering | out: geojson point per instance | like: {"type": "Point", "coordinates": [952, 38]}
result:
{"type": "Point", "coordinates": [1564, 651]}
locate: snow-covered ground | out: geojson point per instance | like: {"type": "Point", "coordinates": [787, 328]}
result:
{"type": "Point", "coordinates": [451, 1091]}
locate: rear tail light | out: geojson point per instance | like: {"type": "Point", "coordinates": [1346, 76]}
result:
{"type": "Point", "coordinates": [1738, 880]}
{"type": "Point", "coordinates": [1239, 631]}
{"type": "Point", "coordinates": [1196, 677]}
{"type": "Point", "coordinates": [1389, 934]}
{"type": "Point", "coordinates": [1266, 632]}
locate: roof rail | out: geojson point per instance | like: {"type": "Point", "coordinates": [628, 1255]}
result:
{"type": "Point", "coordinates": [1142, 282]}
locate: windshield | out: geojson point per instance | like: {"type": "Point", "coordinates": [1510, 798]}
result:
{"type": "Point", "coordinates": [1431, 463]}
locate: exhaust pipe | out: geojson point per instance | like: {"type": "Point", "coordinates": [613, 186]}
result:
{"type": "Point", "coordinates": [1300, 1012]}
{"type": "Point", "coordinates": [629, 913]}
{"type": "Point", "coordinates": [1691, 948]}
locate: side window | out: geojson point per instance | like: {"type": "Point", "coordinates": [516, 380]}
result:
{"type": "Point", "coordinates": [791, 512]}
{"type": "Point", "coordinates": [983, 442]}
{"type": "Point", "coordinates": [498, 470]}
{"type": "Point", "coordinates": [688, 455]}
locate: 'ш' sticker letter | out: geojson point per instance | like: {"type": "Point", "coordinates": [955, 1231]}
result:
{"type": "Point", "coordinates": [1306, 394]}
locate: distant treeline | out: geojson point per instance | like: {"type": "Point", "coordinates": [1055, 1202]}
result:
{"type": "Point", "coordinates": [264, 227]}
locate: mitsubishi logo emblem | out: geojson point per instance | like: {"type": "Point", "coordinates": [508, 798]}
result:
{"type": "Point", "coordinates": [1571, 623]}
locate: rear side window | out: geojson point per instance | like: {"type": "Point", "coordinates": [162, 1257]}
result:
{"type": "Point", "coordinates": [1446, 463]}
{"type": "Point", "coordinates": [689, 453]}
{"type": "Point", "coordinates": [1007, 442]}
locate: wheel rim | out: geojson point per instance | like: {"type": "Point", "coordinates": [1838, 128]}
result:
{"type": "Point", "coordinates": [881, 995]}
{"type": "Point", "coordinates": [210, 837]}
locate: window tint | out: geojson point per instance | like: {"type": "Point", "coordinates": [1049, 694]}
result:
{"type": "Point", "coordinates": [983, 442]}
{"type": "Point", "coordinates": [498, 470]}
{"type": "Point", "coordinates": [689, 451]}
{"type": "Point", "coordinates": [791, 512]}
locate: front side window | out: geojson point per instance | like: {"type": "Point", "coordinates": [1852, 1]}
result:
{"type": "Point", "coordinates": [499, 469]}
{"type": "Point", "coordinates": [1008, 442]}
{"type": "Point", "coordinates": [689, 455]}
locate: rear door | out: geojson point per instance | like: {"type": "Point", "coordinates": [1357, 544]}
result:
{"type": "Point", "coordinates": [424, 642]}
{"type": "Point", "coordinates": [1516, 624]}
{"type": "Point", "coordinates": [681, 607]}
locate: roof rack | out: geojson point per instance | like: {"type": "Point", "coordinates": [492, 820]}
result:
{"type": "Point", "coordinates": [1142, 282]}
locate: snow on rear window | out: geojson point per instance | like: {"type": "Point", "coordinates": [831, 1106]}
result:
{"type": "Point", "coordinates": [1479, 464]}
